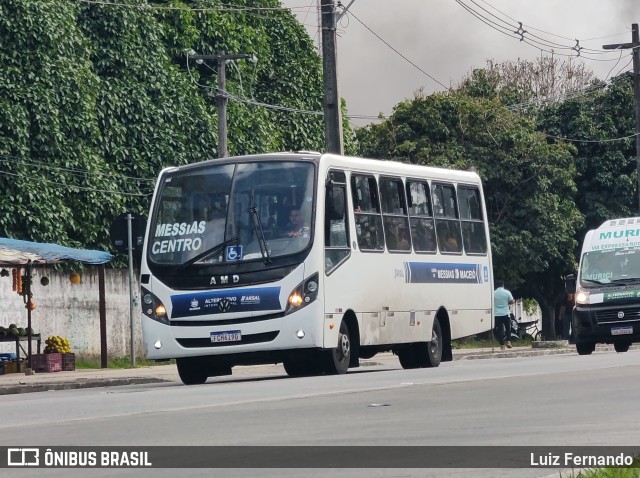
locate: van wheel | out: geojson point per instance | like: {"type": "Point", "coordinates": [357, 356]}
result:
{"type": "Point", "coordinates": [337, 360]}
{"type": "Point", "coordinates": [192, 370]}
{"type": "Point", "coordinates": [621, 346]}
{"type": "Point", "coordinates": [585, 348]}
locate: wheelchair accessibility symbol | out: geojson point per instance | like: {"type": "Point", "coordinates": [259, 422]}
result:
{"type": "Point", "coordinates": [234, 253]}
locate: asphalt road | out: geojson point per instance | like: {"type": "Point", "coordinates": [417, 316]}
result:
{"type": "Point", "coordinates": [563, 400]}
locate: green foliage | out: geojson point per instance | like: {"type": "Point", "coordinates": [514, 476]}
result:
{"type": "Point", "coordinates": [607, 179]}
{"type": "Point", "coordinates": [96, 99]}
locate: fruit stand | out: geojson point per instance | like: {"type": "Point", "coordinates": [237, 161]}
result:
{"type": "Point", "coordinates": [22, 256]}
{"type": "Point", "coordinates": [19, 348]}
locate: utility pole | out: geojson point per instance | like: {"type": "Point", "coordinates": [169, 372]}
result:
{"type": "Point", "coordinates": [221, 94]}
{"type": "Point", "coordinates": [635, 44]}
{"type": "Point", "coordinates": [332, 114]}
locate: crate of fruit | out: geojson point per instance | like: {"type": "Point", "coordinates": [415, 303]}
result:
{"type": "Point", "coordinates": [68, 362]}
{"type": "Point", "coordinates": [13, 366]}
{"type": "Point", "coordinates": [46, 362]}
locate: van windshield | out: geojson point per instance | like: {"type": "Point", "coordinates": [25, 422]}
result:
{"type": "Point", "coordinates": [615, 266]}
{"type": "Point", "coordinates": [231, 213]}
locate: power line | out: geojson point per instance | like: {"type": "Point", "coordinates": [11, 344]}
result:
{"type": "Point", "coordinates": [72, 186]}
{"type": "Point", "coordinates": [574, 140]}
{"type": "Point", "coordinates": [73, 171]}
{"type": "Point", "coordinates": [397, 52]}
{"type": "Point", "coordinates": [520, 31]}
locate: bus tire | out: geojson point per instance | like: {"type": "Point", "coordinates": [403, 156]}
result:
{"type": "Point", "coordinates": [585, 348]}
{"type": "Point", "coordinates": [433, 357]}
{"type": "Point", "coordinates": [408, 356]}
{"type": "Point", "coordinates": [192, 371]}
{"type": "Point", "coordinates": [302, 365]}
{"type": "Point", "coordinates": [621, 346]}
{"type": "Point", "coordinates": [337, 360]}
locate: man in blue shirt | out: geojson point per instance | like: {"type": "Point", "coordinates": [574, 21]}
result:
{"type": "Point", "coordinates": [502, 299]}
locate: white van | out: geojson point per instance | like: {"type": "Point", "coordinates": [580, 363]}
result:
{"type": "Point", "coordinates": [607, 287]}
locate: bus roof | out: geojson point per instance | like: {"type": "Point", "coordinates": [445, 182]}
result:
{"type": "Point", "coordinates": [348, 162]}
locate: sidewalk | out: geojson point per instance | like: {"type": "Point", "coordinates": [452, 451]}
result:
{"type": "Point", "coordinates": [15, 383]}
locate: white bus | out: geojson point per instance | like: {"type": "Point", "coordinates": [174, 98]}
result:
{"type": "Point", "coordinates": [314, 261]}
{"type": "Point", "coordinates": [607, 287]}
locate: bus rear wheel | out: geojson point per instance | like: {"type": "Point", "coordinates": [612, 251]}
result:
{"type": "Point", "coordinates": [337, 360]}
{"type": "Point", "coordinates": [433, 354]}
{"type": "Point", "coordinates": [192, 371]}
{"type": "Point", "coordinates": [408, 356]}
{"type": "Point", "coordinates": [423, 354]}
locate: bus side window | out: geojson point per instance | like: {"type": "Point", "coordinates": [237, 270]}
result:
{"type": "Point", "coordinates": [473, 228]}
{"type": "Point", "coordinates": [447, 223]}
{"type": "Point", "coordinates": [336, 230]}
{"type": "Point", "coordinates": [423, 232]}
{"type": "Point", "coordinates": [394, 215]}
{"type": "Point", "coordinates": [368, 221]}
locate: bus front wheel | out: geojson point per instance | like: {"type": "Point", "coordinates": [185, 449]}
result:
{"type": "Point", "coordinates": [337, 360]}
{"type": "Point", "coordinates": [192, 371]}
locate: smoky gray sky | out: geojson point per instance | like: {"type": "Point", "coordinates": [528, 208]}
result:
{"type": "Point", "coordinates": [446, 41]}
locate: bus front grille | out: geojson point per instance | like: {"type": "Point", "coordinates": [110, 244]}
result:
{"type": "Point", "coordinates": [246, 339]}
{"type": "Point", "coordinates": [612, 316]}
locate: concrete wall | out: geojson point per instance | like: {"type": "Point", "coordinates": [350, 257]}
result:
{"type": "Point", "coordinates": [71, 311]}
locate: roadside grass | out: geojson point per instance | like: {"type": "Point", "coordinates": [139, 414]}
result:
{"type": "Point", "coordinates": [118, 362]}
{"type": "Point", "coordinates": [479, 343]}
{"type": "Point", "coordinates": [632, 472]}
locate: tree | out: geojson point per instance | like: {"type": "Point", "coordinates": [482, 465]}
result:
{"type": "Point", "coordinates": [606, 167]}
{"type": "Point", "coordinates": [528, 181]}
{"type": "Point", "coordinates": [96, 98]}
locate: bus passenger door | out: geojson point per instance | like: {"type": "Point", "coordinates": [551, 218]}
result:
{"type": "Point", "coordinates": [336, 227]}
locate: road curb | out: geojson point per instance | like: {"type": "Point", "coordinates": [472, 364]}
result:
{"type": "Point", "coordinates": [80, 383]}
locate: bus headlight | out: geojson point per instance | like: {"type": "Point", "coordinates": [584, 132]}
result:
{"type": "Point", "coordinates": [582, 297]}
{"type": "Point", "coordinates": [153, 307]}
{"type": "Point", "coordinates": [305, 293]}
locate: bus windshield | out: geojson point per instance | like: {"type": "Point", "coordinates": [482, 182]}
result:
{"type": "Point", "coordinates": [615, 266]}
{"type": "Point", "coordinates": [232, 213]}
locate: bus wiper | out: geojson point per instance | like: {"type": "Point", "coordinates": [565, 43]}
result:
{"type": "Point", "coordinates": [208, 252]}
{"type": "Point", "coordinates": [257, 226]}
{"type": "Point", "coordinates": [591, 281]}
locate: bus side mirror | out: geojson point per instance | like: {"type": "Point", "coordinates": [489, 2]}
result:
{"type": "Point", "coordinates": [335, 203]}
{"type": "Point", "coordinates": [570, 283]}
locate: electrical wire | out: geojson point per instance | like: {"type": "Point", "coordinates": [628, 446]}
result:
{"type": "Point", "coordinates": [77, 172]}
{"type": "Point", "coordinates": [32, 178]}
{"type": "Point", "coordinates": [529, 38]}
{"type": "Point", "coordinates": [397, 52]}
{"type": "Point", "coordinates": [592, 140]}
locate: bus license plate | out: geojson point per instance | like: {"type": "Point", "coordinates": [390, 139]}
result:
{"type": "Point", "coordinates": [621, 330]}
{"type": "Point", "coordinates": [227, 336]}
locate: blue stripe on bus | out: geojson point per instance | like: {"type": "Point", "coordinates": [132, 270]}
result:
{"type": "Point", "coordinates": [438, 272]}
{"type": "Point", "coordinates": [225, 301]}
